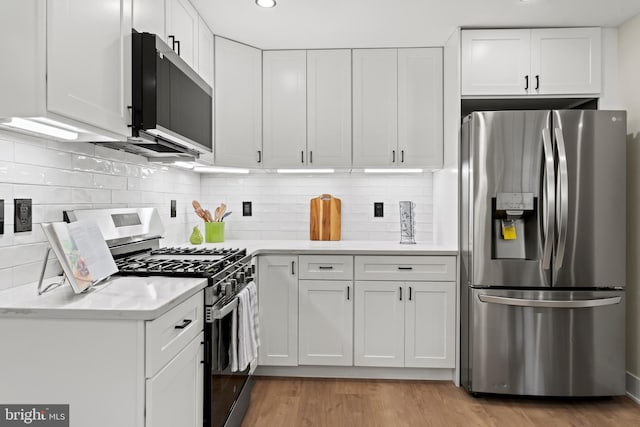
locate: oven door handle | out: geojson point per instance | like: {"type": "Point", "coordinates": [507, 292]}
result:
{"type": "Point", "coordinates": [219, 313]}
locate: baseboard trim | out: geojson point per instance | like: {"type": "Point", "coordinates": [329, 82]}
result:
{"type": "Point", "coordinates": [357, 372]}
{"type": "Point", "coordinates": [633, 387]}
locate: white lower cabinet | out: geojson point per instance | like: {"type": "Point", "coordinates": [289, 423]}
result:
{"type": "Point", "coordinates": [325, 322]}
{"type": "Point", "coordinates": [278, 310]}
{"type": "Point", "coordinates": [174, 395]}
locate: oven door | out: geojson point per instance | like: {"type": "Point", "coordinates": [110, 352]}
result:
{"type": "Point", "coordinates": [227, 393]}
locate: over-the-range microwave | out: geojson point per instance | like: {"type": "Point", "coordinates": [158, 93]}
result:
{"type": "Point", "coordinates": [172, 105]}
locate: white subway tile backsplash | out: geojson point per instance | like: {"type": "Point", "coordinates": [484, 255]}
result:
{"type": "Point", "coordinates": [91, 164]}
{"type": "Point", "coordinates": [6, 278]}
{"type": "Point", "coordinates": [6, 151]}
{"type": "Point", "coordinates": [42, 156]}
{"type": "Point", "coordinates": [89, 195]}
{"type": "Point", "coordinates": [110, 182]}
{"type": "Point", "coordinates": [42, 194]}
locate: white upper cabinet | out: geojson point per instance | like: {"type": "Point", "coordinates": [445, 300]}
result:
{"type": "Point", "coordinates": [149, 17]}
{"type": "Point", "coordinates": [182, 30]}
{"type": "Point", "coordinates": [307, 108]}
{"type": "Point", "coordinates": [284, 80]}
{"type": "Point", "coordinates": [68, 64]}
{"type": "Point", "coordinates": [375, 107]}
{"type": "Point", "coordinates": [329, 108]}
{"type": "Point", "coordinates": [561, 61]}
{"type": "Point", "coordinates": [420, 121]}
{"type": "Point", "coordinates": [238, 104]}
{"type": "Point", "coordinates": [397, 108]}
{"type": "Point", "coordinates": [205, 52]}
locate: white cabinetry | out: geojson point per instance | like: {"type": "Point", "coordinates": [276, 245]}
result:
{"type": "Point", "coordinates": [326, 310]}
{"type": "Point", "coordinates": [69, 64]}
{"type": "Point", "coordinates": [397, 107]}
{"type": "Point", "coordinates": [149, 17]}
{"type": "Point", "coordinates": [182, 30]}
{"type": "Point", "coordinates": [551, 61]}
{"type": "Point", "coordinates": [278, 310]}
{"type": "Point", "coordinates": [205, 52]}
{"type": "Point", "coordinates": [238, 104]}
{"type": "Point", "coordinates": [404, 319]}
{"type": "Point", "coordinates": [307, 108]}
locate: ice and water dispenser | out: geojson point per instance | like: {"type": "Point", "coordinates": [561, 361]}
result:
{"type": "Point", "coordinates": [515, 226]}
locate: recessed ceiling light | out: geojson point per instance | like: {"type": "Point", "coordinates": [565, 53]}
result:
{"type": "Point", "coordinates": [219, 169]}
{"type": "Point", "coordinates": [305, 170]}
{"type": "Point", "coordinates": [266, 3]}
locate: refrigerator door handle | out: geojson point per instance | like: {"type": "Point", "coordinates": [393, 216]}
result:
{"type": "Point", "coordinates": [563, 198]}
{"type": "Point", "coordinates": [549, 196]}
{"type": "Point", "coordinates": [587, 303]}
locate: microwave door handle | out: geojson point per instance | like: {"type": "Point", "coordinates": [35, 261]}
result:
{"type": "Point", "coordinates": [548, 192]}
{"type": "Point", "coordinates": [563, 198]}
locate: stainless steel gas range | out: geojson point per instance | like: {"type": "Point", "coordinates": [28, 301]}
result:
{"type": "Point", "coordinates": [133, 236]}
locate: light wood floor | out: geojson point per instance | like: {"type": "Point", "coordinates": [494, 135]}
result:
{"type": "Point", "coordinates": [329, 402]}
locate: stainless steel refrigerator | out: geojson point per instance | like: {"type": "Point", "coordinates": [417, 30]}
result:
{"type": "Point", "coordinates": [543, 244]}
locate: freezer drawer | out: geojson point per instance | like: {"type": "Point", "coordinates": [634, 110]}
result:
{"type": "Point", "coordinates": [546, 343]}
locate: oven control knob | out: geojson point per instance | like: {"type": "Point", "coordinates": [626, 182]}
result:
{"type": "Point", "coordinates": [240, 277]}
{"type": "Point", "coordinates": [234, 285]}
{"type": "Point", "coordinates": [228, 289]}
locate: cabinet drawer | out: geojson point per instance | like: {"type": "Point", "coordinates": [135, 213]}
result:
{"type": "Point", "coordinates": [326, 267]}
{"type": "Point", "coordinates": [441, 268]}
{"type": "Point", "coordinates": [167, 335]}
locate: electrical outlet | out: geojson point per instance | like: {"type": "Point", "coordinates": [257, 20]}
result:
{"type": "Point", "coordinates": [23, 215]}
{"type": "Point", "coordinates": [1, 216]}
{"type": "Point", "coordinates": [173, 209]}
{"type": "Point", "coordinates": [378, 209]}
{"type": "Point", "coordinates": [246, 209]}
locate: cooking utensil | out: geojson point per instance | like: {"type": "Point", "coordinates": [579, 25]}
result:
{"type": "Point", "coordinates": [325, 218]}
{"type": "Point", "coordinates": [209, 217]}
{"type": "Point", "coordinates": [226, 214]}
{"type": "Point", "coordinates": [200, 212]}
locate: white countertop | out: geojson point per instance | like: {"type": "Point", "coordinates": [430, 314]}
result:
{"type": "Point", "coordinates": [346, 247]}
{"type": "Point", "coordinates": [122, 297]}
{"type": "Point", "coordinates": [145, 298]}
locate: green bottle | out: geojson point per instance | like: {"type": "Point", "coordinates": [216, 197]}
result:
{"type": "Point", "coordinates": [196, 236]}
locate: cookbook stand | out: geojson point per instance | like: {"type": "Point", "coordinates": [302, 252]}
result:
{"type": "Point", "coordinates": [52, 286]}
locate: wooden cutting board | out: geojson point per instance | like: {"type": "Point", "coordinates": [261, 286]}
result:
{"type": "Point", "coordinates": [325, 218]}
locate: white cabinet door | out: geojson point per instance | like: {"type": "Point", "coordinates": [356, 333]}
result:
{"type": "Point", "coordinates": [375, 107]}
{"type": "Point", "coordinates": [420, 86]}
{"type": "Point", "coordinates": [278, 308]}
{"type": "Point", "coordinates": [89, 62]}
{"type": "Point", "coordinates": [430, 325]}
{"type": "Point", "coordinates": [205, 52]}
{"type": "Point", "coordinates": [329, 108]}
{"type": "Point", "coordinates": [174, 395]}
{"type": "Point", "coordinates": [148, 17]}
{"type": "Point", "coordinates": [238, 104]}
{"type": "Point", "coordinates": [326, 322]}
{"type": "Point", "coordinates": [496, 62]}
{"type": "Point", "coordinates": [566, 61]}
{"type": "Point", "coordinates": [182, 24]}
{"type": "Point", "coordinates": [284, 108]}
{"type": "Point", "coordinates": [379, 324]}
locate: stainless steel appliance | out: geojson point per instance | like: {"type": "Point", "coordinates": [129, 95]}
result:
{"type": "Point", "coordinates": [543, 246]}
{"type": "Point", "coordinates": [133, 235]}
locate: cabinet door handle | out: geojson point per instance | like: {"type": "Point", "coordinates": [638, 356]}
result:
{"type": "Point", "coordinates": [259, 156]}
{"type": "Point", "coordinates": [293, 268]}
{"type": "Point", "coordinates": [178, 44]}
{"type": "Point", "coordinates": [348, 291]}
{"type": "Point", "coordinates": [526, 82]}
{"type": "Point", "coordinates": [325, 267]}
{"type": "Point", "coordinates": [405, 268]}
{"type": "Point", "coordinates": [401, 156]}
{"type": "Point", "coordinates": [400, 293]}
{"type": "Point", "coordinates": [393, 156]}
{"type": "Point", "coordinates": [302, 157]}
{"type": "Point", "coordinates": [409, 293]}
{"type": "Point", "coordinates": [130, 110]}
{"type": "Point", "coordinates": [172, 39]}
{"type": "Point", "coordinates": [537, 82]}
{"type": "Point", "coordinates": [184, 324]}
{"type": "Point", "coordinates": [310, 156]}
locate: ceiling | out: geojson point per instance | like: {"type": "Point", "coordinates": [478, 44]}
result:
{"type": "Point", "coordinates": [308, 24]}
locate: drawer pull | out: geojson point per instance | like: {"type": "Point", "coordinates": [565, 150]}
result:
{"type": "Point", "coordinates": [405, 268]}
{"type": "Point", "coordinates": [185, 323]}
{"type": "Point", "coordinates": [325, 267]}
{"type": "Point", "coordinates": [400, 293]}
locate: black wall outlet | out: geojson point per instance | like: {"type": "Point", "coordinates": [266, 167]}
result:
{"type": "Point", "coordinates": [246, 209]}
{"type": "Point", "coordinates": [378, 209]}
{"type": "Point", "coordinates": [1, 216]}
{"type": "Point", "coordinates": [23, 218]}
{"type": "Point", "coordinates": [173, 209]}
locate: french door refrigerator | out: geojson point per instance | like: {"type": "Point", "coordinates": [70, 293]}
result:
{"type": "Point", "coordinates": [542, 241]}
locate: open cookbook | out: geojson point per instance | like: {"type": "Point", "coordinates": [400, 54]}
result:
{"type": "Point", "coordinates": [81, 251]}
